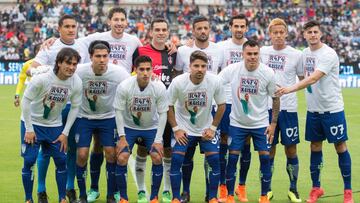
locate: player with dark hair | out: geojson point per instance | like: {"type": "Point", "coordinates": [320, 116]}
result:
{"type": "Point", "coordinates": [325, 119]}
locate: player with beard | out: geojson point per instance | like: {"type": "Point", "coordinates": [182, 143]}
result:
{"type": "Point", "coordinates": [191, 95]}
{"type": "Point", "coordinates": [201, 31]}
{"type": "Point", "coordinates": [251, 84]}
{"type": "Point", "coordinates": [232, 51]}
{"type": "Point", "coordinates": [163, 68]}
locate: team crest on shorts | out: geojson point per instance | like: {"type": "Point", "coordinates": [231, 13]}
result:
{"type": "Point", "coordinates": [77, 137]}
{"type": "Point", "coordinates": [23, 148]}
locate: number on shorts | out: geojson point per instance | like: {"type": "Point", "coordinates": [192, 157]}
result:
{"type": "Point", "coordinates": [335, 129]}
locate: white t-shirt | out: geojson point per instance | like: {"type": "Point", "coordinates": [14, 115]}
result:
{"type": "Point", "coordinates": [99, 91]}
{"type": "Point", "coordinates": [250, 91]}
{"type": "Point", "coordinates": [141, 108]}
{"type": "Point", "coordinates": [49, 96]}
{"type": "Point", "coordinates": [193, 103]}
{"type": "Point", "coordinates": [48, 56]}
{"type": "Point", "coordinates": [121, 49]}
{"type": "Point", "coordinates": [215, 57]}
{"type": "Point", "coordinates": [287, 65]}
{"type": "Point", "coordinates": [232, 54]}
{"type": "Point", "coordinates": [326, 93]}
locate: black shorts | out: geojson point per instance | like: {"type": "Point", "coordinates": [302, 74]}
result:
{"type": "Point", "coordinates": [166, 137]}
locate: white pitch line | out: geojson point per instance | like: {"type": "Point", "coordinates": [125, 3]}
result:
{"type": "Point", "coordinates": [131, 164]}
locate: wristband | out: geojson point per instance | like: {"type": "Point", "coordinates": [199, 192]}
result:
{"type": "Point", "coordinates": [213, 128]}
{"type": "Point", "coordinates": [176, 128]}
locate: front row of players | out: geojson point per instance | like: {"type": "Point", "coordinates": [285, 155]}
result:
{"type": "Point", "coordinates": [139, 107]}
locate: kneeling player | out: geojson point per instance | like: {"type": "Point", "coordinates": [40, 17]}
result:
{"type": "Point", "coordinates": [141, 106]}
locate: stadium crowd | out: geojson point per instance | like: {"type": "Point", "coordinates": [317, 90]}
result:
{"type": "Point", "coordinates": [342, 30]}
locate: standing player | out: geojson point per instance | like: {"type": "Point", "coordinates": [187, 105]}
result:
{"type": "Point", "coordinates": [232, 52]}
{"type": "Point", "coordinates": [193, 93]}
{"type": "Point", "coordinates": [163, 67]}
{"type": "Point", "coordinates": [141, 106]}
{"type": "Point", "coordinates": [201, 32]}
{"type": "Point", "coordinates": [43, 101]}
{"type": "Point", "coordinates": [251, 84]}
{"type": "Point", "coordinates": [287, 65]}
{"type": "Point", "coordinates": [325, 117]}
{"type": "Point", "coordinates": [100, 80]}
{"type": "Point", "coordinates": [23, 78]}
{"type": "Point", "coordinates": [68, 31]}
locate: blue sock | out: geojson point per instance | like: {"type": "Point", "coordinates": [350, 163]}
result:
{"type": "Point", "coordinates": [345, 168]}
{"type": "Point", "coordinates": [81, 179]}
{"type": "Point", "coordinates": [271, 161]}
{"type": "Point", "coordinates": [187, 168]}
{"type": "Point", "coordinates": [157, 174]}
{"type": "Point", "coordinates": [231, 172]}
{"type": "Point", "coordinates": [61, 175]}
{"type": "Point", "coordinates": [42, 164]}
{"type": "Point", "coordinates": [96, 160]}
{"type": "Point", "coordinates": [121, 182]}
{"type": "Point", "coordinates": [28, 178]}
{"type": "Point", "coordinates": [265, 173]}
{"type": "Point", "coordinates": [207, 181]}
{"type": "Point", "coordinates": [214, 174]}
{"type": "Point", "coordinates": [111, 182]}
{"type": "Point", "coordinates": [71, 167]}
{"type": "Point", "coordinates": [223, 156]}
{"type": "Point", "coordinates": [244, 164]}
{"type": "Point", "coordinates": [292, 168]}
{"type": "Point", "coordinates": [316, 165]}
{"type": "Point", "coordinates": [175, 174]}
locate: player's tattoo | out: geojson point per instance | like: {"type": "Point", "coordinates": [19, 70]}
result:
{"type": "Point", "coordinates": [275, 109]}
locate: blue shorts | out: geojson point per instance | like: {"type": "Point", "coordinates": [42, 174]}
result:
{"type": "Point", "coordinates": [105, 128]}
{"type": "Point", "coordinates": [237, 138]}
{"type": "Point", "coordinates": [225, 120]}
{"type": "Point", "coordinates": [146, 136]}
{"type": "Point", "coordinates": [287, 128]}
{"type": "Point", "coordinates": [205, 145]}
{"type": "Point", "coordinates": [330, 126]}
{"type": "Point", "coordinates": [44, 138]}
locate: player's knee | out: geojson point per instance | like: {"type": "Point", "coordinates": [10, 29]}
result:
{"type": "Point", "coordinates": [167, 152]}
{"type": "Point", "coordinates": [110, 154]}
{"type": "Point", "coordinates": [340, 147]}
{"type": "Point", "coordinates": [316, 146]}
{"type": "Point", "coordinates": [273, 151]}
{"type": "Point", "coordinates": [264, 153]}
{"type": "Point", "coordinates": [123, 158]}
{"type": "Point", "coordinates": [142, 151]}
{"type": "Point", "coordinates": [290, 151]}
{"type": "Point", "coordinates": [82, 156]}
{"type": "Point", "coordinates": [156, 158]}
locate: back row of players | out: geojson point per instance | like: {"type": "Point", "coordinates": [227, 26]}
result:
{"type": "Point", "coordinates": [137, 110]}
